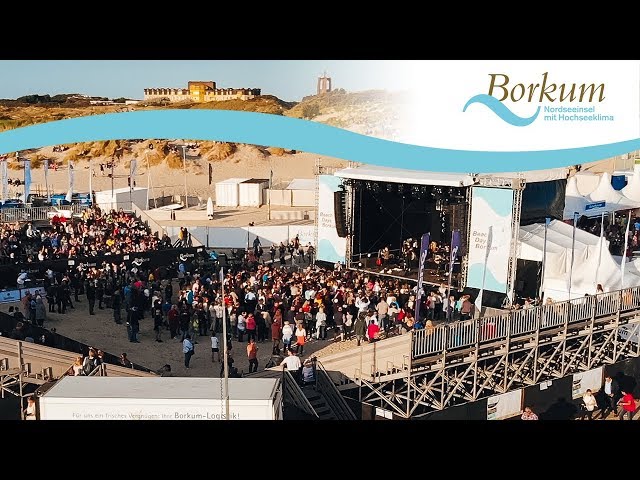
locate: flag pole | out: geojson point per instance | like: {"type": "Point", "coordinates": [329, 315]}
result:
{"type": "Point", "coordinates": [573, 248]}
{"type": "Point", "coordinates": [547, 221]}
{"type": "Point", "coordinates": [624, 253]}
{"type": "Point", "coordinates": [600, 248]}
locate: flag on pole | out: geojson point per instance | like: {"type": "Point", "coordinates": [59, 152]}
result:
{"type": "Point", "coordinates": [5, 178]}
{"type": "Point", "coordinates": [132, 172]}
{"type": "Point", "coordinates": [424, 249]}
{"type": "Point", "coordinates": [27, 179]}
{"type": "Point", "coordinates": [600, 245]}
{"type": "Point", "coordinates": [624, 253]}
{"type": "Point", "coordinates": [71, 182]}
{"type": "Point", "coordinates": [46, 179]}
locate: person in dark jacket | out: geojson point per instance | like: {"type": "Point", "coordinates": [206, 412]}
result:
{"type": "Point", "coordinates": [360, 327]}
{"type": "Point", "coordinates": [40, 311]}
{"type": "Point", "coordinates": [90, 291]}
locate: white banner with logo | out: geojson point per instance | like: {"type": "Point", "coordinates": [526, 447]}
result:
{"type": "Point", "coordinates": [518, 105]}
{"type": "Point", "coordinates": [589, 380]}
{"type": "Point", "coordinates": [504, 406]}
{"type": "Point", "coordinates": [331, 247]}
{"type": "Point", "coordinates": [490, 238]}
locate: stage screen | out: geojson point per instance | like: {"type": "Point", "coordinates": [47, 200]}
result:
{"type": "Point", "coordinates": [490, 238]}
{"type": "Point", "coordinates": [331, 248]}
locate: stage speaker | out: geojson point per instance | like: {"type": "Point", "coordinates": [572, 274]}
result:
{"type": "Point", "coordinates": [340, 212]}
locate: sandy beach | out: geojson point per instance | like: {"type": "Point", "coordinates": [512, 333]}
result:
{"type": "Point", "coordinates": [246, 162]}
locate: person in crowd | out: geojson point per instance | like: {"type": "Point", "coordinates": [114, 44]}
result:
{"type": "Point", "coordinates": [293, 364]}
{"type": "Point", "coordinates": [215, 348]}
{"type": "Point", "coordinates": [252, 355]}
{"type": "Point", "coordinates": [528, 414]}
{"type": "Point", "coordinates": [188, 350]}
{"type": "Point", "coordinates": [276, 335]}
{"type": "Point", "coordinates": [301, 338]}
{"type": "Point", "coordinates": [308, 373]}
{"type": "Point", "coordinates": [611, 390]}
{"type": "Point", "coordinates": [30, 411]}
{"type": "Point", "coordinates": [124, 361]}
{"type": "Point", "coordinates": [627, 405]}
{"type": "Point", "coordinates": [91, 361]}
{"type": "Point", "coordinates": [589, 404]}
{"type": "Point", "coordinates": [78, 368]}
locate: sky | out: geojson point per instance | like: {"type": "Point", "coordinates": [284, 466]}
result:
{"type": "Point", "coordinates": [289, 80]}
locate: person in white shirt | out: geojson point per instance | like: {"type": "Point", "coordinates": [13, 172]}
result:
{"type": "Point", "coordinates": [293, 364]}
{"type": "Point", "coordinates": [241, 326]}
{"type": "Point", "coordinates": [187, 349]}
{"type": "Point", "coordinates": [590, 404]}
{"type": "Point", "coordinates": [321, 324]}
{"type": "Point", "coordinates": [287, 334]}
{"type": "Point", "coordinates": [215, 348]}
{"type": "Point", "coordinates": [362, 303]}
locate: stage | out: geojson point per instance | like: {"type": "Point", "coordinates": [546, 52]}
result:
{"type": "Point", "coordinates": [431, 276]}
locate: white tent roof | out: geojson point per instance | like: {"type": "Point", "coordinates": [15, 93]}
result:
{"type": "Point", "coordinates": [632, 190]}
{"type": "Point", "coordinates": [413, 177]}
{"type": "Point", "coordinates": [592, 262]}
{"type": "Point", "coordinates": [604, 192]}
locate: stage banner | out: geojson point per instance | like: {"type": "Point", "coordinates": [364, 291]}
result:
{"type": "Point", "coordinates": [331, 248]}
{"type": "Point", "coordinates": [589, 380]}
{"type": "Point", "coordinates": [504, 406]}
{"type": "Point", "coordinates": [490, 238]}
{"type": "Point", "coordinates": [424, 249]}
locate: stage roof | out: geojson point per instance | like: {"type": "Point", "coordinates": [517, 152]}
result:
{"type": "Point", "coordinates": [419, 177]}
{"type": "Point", "coordinates": [412, 177]}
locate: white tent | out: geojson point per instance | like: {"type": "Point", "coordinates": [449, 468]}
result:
{"type": "Point", "coordinates": [632, 190]}
{"type": "Point", "coordinates": [592, 262]}
{"type": "Point", "coordinates": [603, 199]}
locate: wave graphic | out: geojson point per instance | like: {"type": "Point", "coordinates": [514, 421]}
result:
{"type": "Point", "coordinates": [501, 110]}
{"type": "Point", "coordinates": [292, 133]}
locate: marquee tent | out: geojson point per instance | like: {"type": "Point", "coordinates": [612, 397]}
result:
{"type": "Point", "coordinates": [604, 199]}
{"type": "Point", "coordinates": [592, 262]}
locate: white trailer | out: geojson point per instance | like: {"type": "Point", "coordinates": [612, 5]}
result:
{"type": "Point", "coordinates": [162, 398]}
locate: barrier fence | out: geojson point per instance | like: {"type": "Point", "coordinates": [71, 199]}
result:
{"type": "Point", "coordinates": [30, 214]}
{"type": "Point", "coordinates": [495, 328]}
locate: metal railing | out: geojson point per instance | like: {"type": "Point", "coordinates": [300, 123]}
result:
{"type": "Point", "coordinates": [495, 328]}
{"type": "Point", "coordinates": [331, 394]}
{"type": "Point", "coordinates": [294, 394]}
{"type": "Point", "coordinates": [30, 214]}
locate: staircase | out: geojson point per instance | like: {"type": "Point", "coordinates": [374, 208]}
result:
{"type": "Point", "coordinates": [319, 404]}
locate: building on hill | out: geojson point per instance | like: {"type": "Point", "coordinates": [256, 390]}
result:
{"type": "Point", "coordinates": [200, 92]}
{"type": "Point", "coordinates": [324, 84]}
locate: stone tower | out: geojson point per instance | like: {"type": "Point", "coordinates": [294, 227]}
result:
{"type": "Point", "coordinates": [324, 84]}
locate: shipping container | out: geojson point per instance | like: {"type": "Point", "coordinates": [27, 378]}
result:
{"type": "Point", "coordinates": [228, 192]}
{"type": "Point", "coordinates": [252, 192]}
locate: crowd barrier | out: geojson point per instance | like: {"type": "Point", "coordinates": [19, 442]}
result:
{"type": "Point", "coordinates": [152, 259]}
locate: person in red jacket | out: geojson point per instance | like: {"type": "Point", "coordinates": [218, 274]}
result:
{"type": "Point", "coordinates": [173, 316]}
{"type": "Point", "coordinates": [276, 335]}
{"type": "Point", "coordinates": [372, 331]}
{"type": "Point", "coordinates": [628, 404]}
{"type": "Point", "coordinates": [251, 327]}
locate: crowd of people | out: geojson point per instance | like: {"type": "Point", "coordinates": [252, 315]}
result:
{"type": "Point", "coordinates": [97, 232]}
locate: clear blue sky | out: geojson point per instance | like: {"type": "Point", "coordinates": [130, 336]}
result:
{"type": "Point", "coordinates": [287, 79]}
